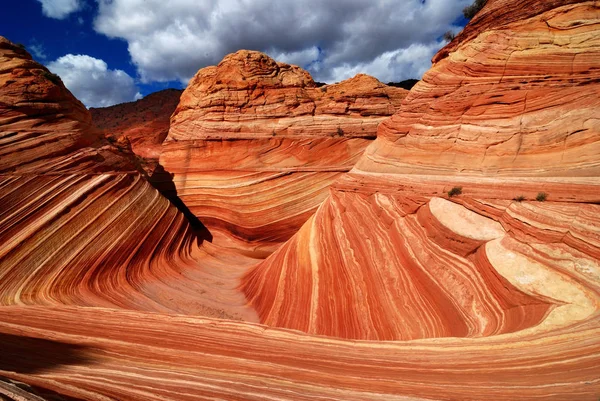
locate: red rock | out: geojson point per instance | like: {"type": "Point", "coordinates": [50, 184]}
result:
{"type": "Point", "coordinates": [145, 123]}
{"type": "Point", "coordinates": [254, 144]}
{"type": "Point", "coordinates": [499, 297]}
{"type": "Point", "coordinates": [43, 127]}
{"type": "Point", "coordinates": [508, 112]}
{"type": "Point", "coordinates": [517, 100]}
{"type": "Point", "coordinates": [80, 226]}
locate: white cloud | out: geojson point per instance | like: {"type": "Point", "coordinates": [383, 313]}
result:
{"type": "Point", "coordinates": [172, 39]}
{"type": "Point", "coordinates": [396, 65]}
{"type": "Point", "coordinates": [60, 9]}
{"type": "Point", "coordinates": [90, 80]}
{"type": "Point", "coordinates": [302, 58]}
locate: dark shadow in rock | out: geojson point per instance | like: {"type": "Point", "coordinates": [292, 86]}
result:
{"type": "Point", "coordinates": [33, 355]}
{"type": "Point", "coordinates": [162, 180]}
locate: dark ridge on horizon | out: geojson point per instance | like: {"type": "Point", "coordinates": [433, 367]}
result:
{"type": "Point", "coordinates": [406, 84]}
{"type": "Point", "coordinates": [149, 96]}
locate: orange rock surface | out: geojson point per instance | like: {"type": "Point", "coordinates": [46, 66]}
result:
{"type": "Point", "coordinates": [145, 122]}
{"type": "Point", "coordinates": [80, 226]}
{"type": "Point", "coordinates": [392, 290]}
{"type": "Point", "coordinates": [518, 99]}
{"type": "Point", "coordinates": [43, 127]}
{"type": "Point", "coordinates": [507, 113]}
{"type": "Point", "coordinates": [254, 144]}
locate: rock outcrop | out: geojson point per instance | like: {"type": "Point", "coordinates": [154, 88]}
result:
{"type": "Point", "coordinates": [509, 112]}
{"type": "Point", "coordinates": [254, 144]}
{"type": "Point", "coordinates": [499, 294]}
{"type": "Point", "coordinates": [144, 123]}
{"type": "Point", "coordinates": [80, 226]}
{"type": "Point", "coordinates": [517, 96]}
{"type": "Point", "coordinates": [43, 127]}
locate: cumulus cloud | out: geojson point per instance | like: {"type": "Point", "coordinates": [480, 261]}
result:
{"type": "Point", "coordinates": [396, 65]}
{"type": "Point", "coordinates": [172, 39]}
{"type": "Point", "coordinates": [92, 82]}
{"type": "Point", "coordinates": [60, 9]}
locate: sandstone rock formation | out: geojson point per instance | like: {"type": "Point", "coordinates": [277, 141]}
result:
{"type": "Point", "coordinates": [145, 123]}
{"type": "Point", "coordinates": [519, 98]}
{"type": "Point", "coordinates": [506, 112]}
{"type": "Point", "coordinates": [498, 295]}
{"type": "Point", "coordinates": [80, 226]}
{"type": "Point", "coordinates": [254, 144]}
{"type": "Point", "coordinates": [43, 127]}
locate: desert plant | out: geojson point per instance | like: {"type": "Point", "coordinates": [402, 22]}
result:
{"type": "Point", "coordinates": [519, 198]}
{"type": "Point", "coordinates": [455, 191]}
{"type": "Point", "coordinates": [541, 197]}
{"type": "Point", "coordinates": [20, 46]}
{"type": "Point", "coordinates": [470, 11]}
{"type": "Point", "coordinates": [449, 36]}
{"type": "Point", "coordinates": [55, 79]}
{"type": "Point", "coordinates": [340, 132]}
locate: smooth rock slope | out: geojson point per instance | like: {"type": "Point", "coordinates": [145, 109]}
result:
{"type": "Point", "coordinates": [43, 127]}
{"type": "Point", "coordinates": [80, 226]}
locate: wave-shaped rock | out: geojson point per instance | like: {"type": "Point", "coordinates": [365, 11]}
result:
{"type": "Point", "coordinates": [80, 226]}
{"type": "Point", "coordinates": [395, 253]}
{"type": "Point", "coordinates": [254, 144]}
{"type": "Point", "coordinates": [499, 297]}
{"type": "Point", "coordinates": [517, 99]}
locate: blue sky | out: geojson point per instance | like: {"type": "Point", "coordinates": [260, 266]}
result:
{"type": "Point", "coordinates": [47, 38]}
{"type": "Point", "coordinates": [110, 51]}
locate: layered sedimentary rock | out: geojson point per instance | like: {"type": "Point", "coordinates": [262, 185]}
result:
{"type": "Point", "coordinates": [519, 98]}
{"type": "Point", "coordinates": [145, 123]}
{"type": "Point", "coordinates": [43, 127]}
{"type": "Point", "coordinates": [80, 226]}
{"type": "Point", "coordinates": [254, 144]}
{"type": "Point", "coordinates": [500, 298]}
{"type": "Point", "coordinates": [111, 354]}
{"type": "Point", "coordinates": [507, 114]}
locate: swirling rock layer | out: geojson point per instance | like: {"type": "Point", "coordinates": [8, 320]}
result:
{"type": "Point", "coordinates": [500, 298]}
{"type": "Point", "coordinates": [78, 225]}
{"type": "Point", "coordinates": [507, 114]}
{"type": "Point", "coordinates": [254, 144]}
{"type": "Point", "coordinates": [519, 98]}
{"type": "Point", "coordinates": [120, 355]}
{"type": "Point", "coordinates": [43, 127]}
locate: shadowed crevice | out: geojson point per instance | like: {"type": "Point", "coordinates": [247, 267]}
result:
{"type": "Point", "coordinates": [162, 180]}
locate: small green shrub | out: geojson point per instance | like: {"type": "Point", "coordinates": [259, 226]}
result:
{"type": "Point", "coordinates": [455, 191]}
{"type": "Point", "coordinates": [340, 132]}
{"type": "Point", "coordinates": [541, 197]}
{"type": "Point", "coordinates": [449, 36]}
{"type": "Point", "coordinates": [20, 46]}
{"type": "Point", "coordinates": [470, 11]}
{"type": "Point", "coordinates": [519, 198]}
{"type": "Point", "coordinates": [55, 79]}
